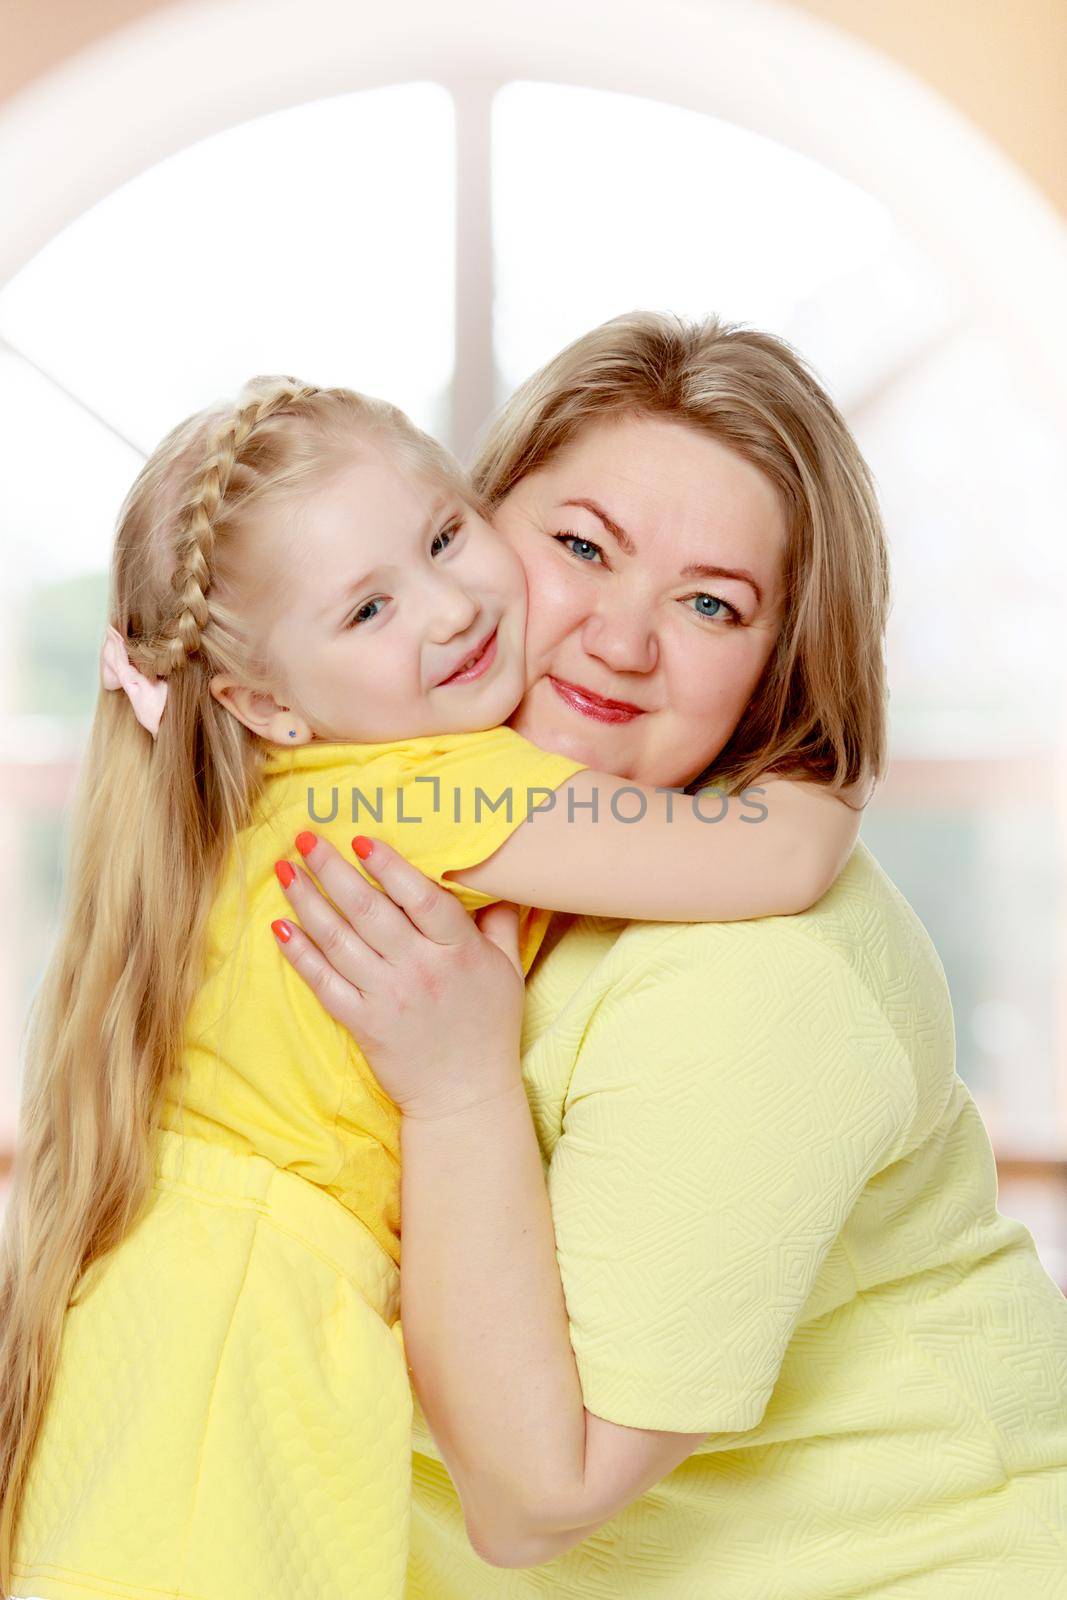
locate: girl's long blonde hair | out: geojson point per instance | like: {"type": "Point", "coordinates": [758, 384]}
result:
{"type": "Point", "coordinates": [152, 824]}
{"type": "Point", "coordinates": [819, 710]}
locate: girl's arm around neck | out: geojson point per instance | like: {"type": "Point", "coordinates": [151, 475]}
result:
{"type": "Point", "coordinates": [610, 848]}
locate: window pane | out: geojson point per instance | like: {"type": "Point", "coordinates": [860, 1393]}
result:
{"type": "Point", "coordinates": [62, 479]}
{"type": "Point", "coordinates": [978, 876]}
{"type": "Point", "coordinates": [604, 202]}
{"type": "Point", "coordinates": [316, 241]}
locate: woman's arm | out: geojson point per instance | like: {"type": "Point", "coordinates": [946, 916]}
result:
{"type": "Point", "coordinates": [436, 1007]}
{"type": "Point", "coordinates": [485, 1327]}
{"type": "Point", "coordinates": [680, 858]}
{"type": "Point", "coordinates": [488, 1342]}
{"type": "Point", "coordinates": [727, 1109]}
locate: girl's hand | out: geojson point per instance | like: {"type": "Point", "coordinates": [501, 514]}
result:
{"type": "Point", "coordinates": [434, 1003]}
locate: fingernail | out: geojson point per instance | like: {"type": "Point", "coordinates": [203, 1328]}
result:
{"type": "Point", "coordinates": [305, 843]}
{"type": "Point", "coordinates": [285, 872]}
{"type": "Point", "coordinates": [281, 930]}
{"type": "Point", "coordinates": [362, 846]}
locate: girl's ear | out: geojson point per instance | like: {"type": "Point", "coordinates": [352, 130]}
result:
{"type": "Point", "coordinates": [259, 712]}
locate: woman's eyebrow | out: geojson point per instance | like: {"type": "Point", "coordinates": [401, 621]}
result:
{"type": "Point", "coordinates": [625, 542]}
{"type": "Point", "coordinates": [695, 569]}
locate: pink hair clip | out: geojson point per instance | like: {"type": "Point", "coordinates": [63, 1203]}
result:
{"type": "Point", "coordinates": [147, 696]}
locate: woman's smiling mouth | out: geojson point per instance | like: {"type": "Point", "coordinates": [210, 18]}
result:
{"type": "Point", "coordinates": [593, 705]}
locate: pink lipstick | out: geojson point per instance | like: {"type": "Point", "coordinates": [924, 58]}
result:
{"type": "Point", "coordinates": [594, 705]}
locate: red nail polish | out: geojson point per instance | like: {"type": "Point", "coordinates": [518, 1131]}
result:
{"type": "Point", "coordinates": [362, 846]}
{"type": "Point", "coordinates": [285, 872]}
{"type": "Point", "coordinates": [281, 930]}
{"type": "Point", "coordinates": [305, 843]}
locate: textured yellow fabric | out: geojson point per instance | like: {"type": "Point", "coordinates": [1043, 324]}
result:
{"type": "Point", "coordinates": [232, 1412]}
{"type": "Point", "coordinates": [267, 1070]}
{"type": "Point", "coordinates": [775, 1213]}
{"type": "Point", "coordinates": [231, 1418]}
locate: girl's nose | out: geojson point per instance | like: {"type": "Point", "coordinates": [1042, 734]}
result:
{"type": "Point", "coordinates": [452, 609]}
{"type": "Point", "coordinates": [624, 640]}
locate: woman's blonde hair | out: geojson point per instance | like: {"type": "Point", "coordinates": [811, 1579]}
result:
{"type": "Point", "coordinates": [152, 824]}
{"type": "Point", "coordinates": [819, 709]}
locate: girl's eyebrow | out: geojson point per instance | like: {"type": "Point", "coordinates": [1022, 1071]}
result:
{"type": "Point", "coordinates": [441, 504]}
{"type": "Point", "coordinates": [341, 603]}
{"type": "Point", "coordinates": [695, 569]}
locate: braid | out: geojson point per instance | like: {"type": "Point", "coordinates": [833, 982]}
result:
{"type": "Point", "coordinates": [180, 638]}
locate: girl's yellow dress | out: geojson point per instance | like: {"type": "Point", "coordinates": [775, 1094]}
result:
{"type": "Point", "coordinates": [232, 1415]}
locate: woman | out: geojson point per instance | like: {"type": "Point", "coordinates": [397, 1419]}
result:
{"type": "Point", "coordinates": [800, 1355]}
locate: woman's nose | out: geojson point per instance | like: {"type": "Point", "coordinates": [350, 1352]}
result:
{"type": "Point", "coordinates": [624, 640]}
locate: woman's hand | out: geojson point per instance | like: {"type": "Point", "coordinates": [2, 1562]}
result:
{"type": "Point", "coordinates": [434, 1003]}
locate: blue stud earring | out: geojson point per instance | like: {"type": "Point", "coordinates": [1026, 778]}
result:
{"type": "Point", "coordinates": [292, 733]}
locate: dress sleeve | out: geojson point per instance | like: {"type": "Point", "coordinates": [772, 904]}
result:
{"type": "Point", "coordinates": [446, 803]}
{"type": "Point", "coordinates": [729, 1102]}
{"type": "Point", "coordinates": [475, 791]}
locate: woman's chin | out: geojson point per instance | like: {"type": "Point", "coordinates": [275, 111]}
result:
{"type": "Point", "coordinates": [539, 719]}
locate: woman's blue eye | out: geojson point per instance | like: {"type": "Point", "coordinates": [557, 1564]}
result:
{"type": "Point", "coordinates": [714, 607]}
{"type": "Point", "coordinates": [707, 605]}
{"type": "Point", "coordinates": [446, 536]}
{"type": "Point", "coordinates": [582, 545]}
{"type": "Point", "coordinates": [365, 613]}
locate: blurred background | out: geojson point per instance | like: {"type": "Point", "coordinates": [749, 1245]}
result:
{"type": "Point", "coordinates": [426, 202]}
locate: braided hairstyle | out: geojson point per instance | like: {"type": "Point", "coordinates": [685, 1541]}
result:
{"type": "Point", "coordinates": [153, 823]}
{"type": "Point", "coordinates": [202, 496]}
{"type": "Point", "coordinates": [177, 635]}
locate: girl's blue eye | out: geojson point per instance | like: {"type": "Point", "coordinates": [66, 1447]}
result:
{"type": "Point", "coordinates": [446, 537]}
{"type": "Point", "coordinates": [715, 607]}
{"type": "Point", "coordinates": [365, 613]}
{"type": "Point", "coordinates": [581, 546]}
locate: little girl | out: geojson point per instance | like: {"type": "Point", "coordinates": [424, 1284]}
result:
{"type": "Point", "coordinates": [202, 1391]}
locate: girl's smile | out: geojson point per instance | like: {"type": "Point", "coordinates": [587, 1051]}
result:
{"type": "Point", "coordinates": [396, 590]}
{"type": "Point", "coordinates": [476, 665]}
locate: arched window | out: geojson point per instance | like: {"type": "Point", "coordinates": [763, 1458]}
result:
{"type": "Point", "coordinates": [428, 207]}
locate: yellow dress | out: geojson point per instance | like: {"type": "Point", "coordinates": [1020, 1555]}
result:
{"type": "Point", "coordinates": [231, 1418]}
{"type": "Point", "coordinates": [775, 1214]}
